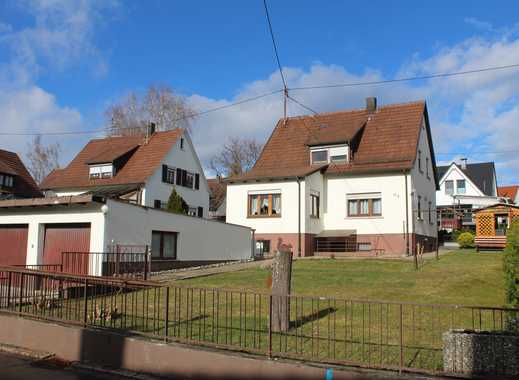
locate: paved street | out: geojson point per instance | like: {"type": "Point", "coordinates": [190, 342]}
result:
{"type": "Point", "coordinates": [13, 367]}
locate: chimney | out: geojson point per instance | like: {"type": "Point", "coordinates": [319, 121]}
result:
{"type": "Point", "coordinates": [150, 130]}
{"type": "Point", "coordinates": [463, 163]}
{"type": "Point", "coordinates": [371, 104]}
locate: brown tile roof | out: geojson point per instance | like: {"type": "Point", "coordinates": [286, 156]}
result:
{"type": "Point", "coordinates": [114, 152]}
{"type": "Point", "coordinates": [24, 184]}
{"type": "Point", "coordinates": [386, 140]}
{"type": "Point", "coordinates": [139, 167]}
{"type": "Point", "coordinates": [508, 191]}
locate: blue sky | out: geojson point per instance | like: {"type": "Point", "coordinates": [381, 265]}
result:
{"type": "Point", "coordinates": [62, 62]}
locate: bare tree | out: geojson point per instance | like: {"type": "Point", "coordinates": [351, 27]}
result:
{"type": "Point", "coordinates": [236, 157]}
{"type": "Point", "coordinates": [42, 159]}
{"type": "Point", "coordinates": [159, 105]}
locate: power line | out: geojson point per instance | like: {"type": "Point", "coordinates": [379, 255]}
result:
{"type": "Point", "coordinates": [274, 44]}
{"type": "Point", "coordinates": [192, 115]}
{"type": "Point", "coordinates": [477, 152]}
{"type": "Point", "coordinates": [406, 79]}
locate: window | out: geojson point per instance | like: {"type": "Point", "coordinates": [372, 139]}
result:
{"type": "Point", "coordinates": [314, 210]}
{"type": "Point", "coordinates": [364, 246]}
{"type": "Point", "coordinates": [340, 157]}
{"type": "Point", "coordinates": [101, 171]}
{"type": "Point", "coordinates": [181, 143]}
{"type": "Point", "coordinates": [192, 211]}
{"type": "Point", "coordinates": [262, 246]}
{"type": "Point", "coordinates": [164, 245]}
{"type": "Point", "coordinates": [430, 212]}
{"type": "Point", "coordinates": [190, 179]}
{"type": "Point", "coordinates": [319, 156]}
{"type": "Point", "coordinates": [427, 166]}
{"type": "Point", "coordinates": [6, 180]}
{"type": "Point", "coordinates": [460, 186]}
{"type": "Point", "coordinates": [420, 161]}
{"type": "Point", "coordinates": [419, 208]}
{"type": "Point", "coordinates": [365, 207]}
{"type": "Point", "coordinates": [265, 205]}
{"type": "Point", "coordinates": [168, 174]}
{"type": "Point", "coordinates": [449, 187]}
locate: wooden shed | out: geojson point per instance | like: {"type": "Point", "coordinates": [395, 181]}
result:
{"type": "Point", "coordinates": [492, 222]}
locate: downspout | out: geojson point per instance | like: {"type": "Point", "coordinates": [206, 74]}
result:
{"type": "Point", "coordinates": [406, 216]}
{"type": "Point", "coordinates": [299, 217]}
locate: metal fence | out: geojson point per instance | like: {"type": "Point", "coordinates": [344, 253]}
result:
{"type": "Point", "coordinates": [391, 335]}
{"type": "Point", "coordinates": [109, 264]}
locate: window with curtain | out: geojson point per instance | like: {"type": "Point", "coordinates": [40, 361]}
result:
{"type": "Point", "coordinates": [365, 207]}
{"type": "Point", "coordinates": [264, 205]}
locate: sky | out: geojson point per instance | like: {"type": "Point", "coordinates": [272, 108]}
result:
{"type": "Point", "coordinates": [63, 62]}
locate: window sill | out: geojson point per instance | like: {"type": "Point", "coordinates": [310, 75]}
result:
{"type": "Point", "coordinates": [365, 217]}
{"type": "Point", "coordinates": [263, 216]}
{"type": "Point", "coordinates": [314, 217]}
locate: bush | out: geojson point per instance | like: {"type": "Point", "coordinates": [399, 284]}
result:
{"type": "Point", "coordinates": [176, 204]}
{"type": "Point", "coordinates": [466, 240]}
{"type": "Point", "coordinates": [511, 271]}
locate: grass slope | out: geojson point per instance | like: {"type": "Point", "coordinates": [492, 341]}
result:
{"type": "Point", "coordinates": [460, 277]}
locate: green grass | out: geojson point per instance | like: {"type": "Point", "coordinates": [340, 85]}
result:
{"type": "Point", "coordinates": [461, 277]}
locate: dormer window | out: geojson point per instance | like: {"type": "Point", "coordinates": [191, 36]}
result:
{"type": "Point", "coordinates": [101, 171]}
{"type": "Point", "coordinates": [6, 180]}
{"type": "Point", "coordinates": [327, 154]}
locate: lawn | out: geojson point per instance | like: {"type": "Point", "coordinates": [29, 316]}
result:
{"type": "Point", "coordinates": [460, 277]}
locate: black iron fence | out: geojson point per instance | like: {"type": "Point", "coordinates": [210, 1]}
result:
{"type": "Point", "coordinates": [108, 264]}
{"type": "Point", "coordinates": [393, 335]}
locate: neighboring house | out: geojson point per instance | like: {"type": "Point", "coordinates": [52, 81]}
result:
{"type": "Point", "coordinates": [356, 180]}
{"type": "Point", "coordinates": [463, 188]}
{"type": "Point", "coordinates": [138, 170]}
{"type": "Point", "coordinates": [113, 194]}
{"type": "Point", "coordinates": [15, 179]}
{"type": "Point", "coordinates": [510, 193]}
{"type": "Point", "coordinates": [217, 196]}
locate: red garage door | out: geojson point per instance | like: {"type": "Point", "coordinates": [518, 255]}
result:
{"type": "Point", "coordinates": [66, 238]}
{"type": "Point", "coordinates": [13, 243]}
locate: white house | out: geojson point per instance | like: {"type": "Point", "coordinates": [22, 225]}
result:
{"type": "Point", "coordinates": [357, 180]}
{"type": "Point", "coordinates": [112, 194]}
{"type": "Point", "coordinates": [140, 170]}
{"type": "Point", "coordinates": [463, 188]}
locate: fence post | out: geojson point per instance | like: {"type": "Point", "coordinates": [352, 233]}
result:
{"type": "Point", "coordinates": [146, 263]}
{"type": "Point", "coordinates": [21, 294]}
{"type": "Point", "coordinates": [401, 334]}
{"type": "Point", "coordinates": [166, 316]}
{"type": "Point", "coordinates": [270, 327]}
{"type": "Point", "coordinates": [85, 307]}
{"type": "Point", "coordinates": [9, 291]}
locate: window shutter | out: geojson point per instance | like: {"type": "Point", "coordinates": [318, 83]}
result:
{"type": "Point", "coordinates": [200, 212]}
{"type": "Point", "coordinates": [179, 176]}
{"type": "Point", "coordinates": [197, 181]}
{"type": "Point", "coordinates": [184, 177]}
{"type": "Point", "coordinates": [164, 173]}
{"type": "Point", "coordinates": [157, 203]}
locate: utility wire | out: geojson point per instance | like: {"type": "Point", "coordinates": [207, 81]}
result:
{"type": "Point", "coordinates": [274, 44]}
{"type": "Point", "coordinates": [407, 79]}
{"type": "Point", "coordinates": [192, 115]}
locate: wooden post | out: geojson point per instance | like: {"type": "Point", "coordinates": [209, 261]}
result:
{"type": "Point", "coordinates": [281, 279]}
{"type": "Point", "coordinates": [416, 255]}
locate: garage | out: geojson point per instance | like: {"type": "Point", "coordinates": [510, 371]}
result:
{"type": "Point", "coordinates": [13, 240]}
{"type": "Point", "coordinates": [74, 237]}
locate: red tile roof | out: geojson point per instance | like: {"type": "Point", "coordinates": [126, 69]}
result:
{"type": "Point", "coordinates": [139, 167]}
{"type": "Point", "coordinates": [24, 184]}
{"type": "Point", "coordinates": [508, 191]}
{"type": "Point", "coordinates": [386, 140]}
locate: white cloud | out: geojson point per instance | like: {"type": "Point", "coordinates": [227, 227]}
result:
{"type": "Point", "coordinates": [60, 36]}
{"type": "Point", "coordinates": [479, 24]}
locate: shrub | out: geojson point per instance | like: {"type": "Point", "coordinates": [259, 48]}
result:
{"type": "Point", "coordinates": [511, 271]}
{"type": "Point", "coordinates": [466, 240]}
{"type": "Point", "coordinates": [176, 204]}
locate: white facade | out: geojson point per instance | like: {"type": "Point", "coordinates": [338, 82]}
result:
{"type": "Point", "coordinates": [335, 190]}
{"type": "Point", "coordinates": [126, 224]}
{"type": "Point", "coordinates": [472, 195]}
{"type": "Point", "coordinates": [182, 155]}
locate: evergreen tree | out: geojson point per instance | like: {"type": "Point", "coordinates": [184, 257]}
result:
{"type": "Point", "coordinates": [176, 204]}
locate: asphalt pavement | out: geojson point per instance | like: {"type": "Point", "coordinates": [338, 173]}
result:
{"type": "Point", "coordinates": [14, 367]}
